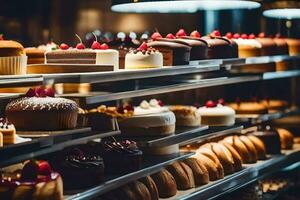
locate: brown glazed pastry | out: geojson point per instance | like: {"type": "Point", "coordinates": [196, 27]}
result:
{"type": "Point", "coordinates": [259, 146]}
{"type": "Point", "coordinates": [40, 110]}
{"type": "Point", "coordinates": [241, 148]}
{"type": "Point", "coordinates": [223, 155]}
{"type": "Point", "coordinates": [165, 183]}
{"type": "Point", "coordinates": [235, 155]}
{"type": "Point", "coordinates": [151, 186]}
{"type": "Point", "coordinates": [140, 190]}
{"type": "Point", "coordinates": [210, 166]}
{"type": "Point", "coordinates": [201, 175]}
{"type": "Point", "coordinates": [174, 53]}
{"type": "Point", "coordinates": [250, 146]}
{"type": "Point", "coordinates": [183, 175]}
{"type": "Point", "coordinates": [212, 156]}
{"type": "Point", "coordinates": [286, 138]}
{"type": "Point", "coordinates": [249, 108]}
{"type": "Point", "coordinates": [11, 48]}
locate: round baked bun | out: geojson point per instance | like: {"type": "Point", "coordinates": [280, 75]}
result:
{"type": "Point", "coordinates": [250, 146]}
{"type": "Point", "coordinates": [165, 183]}
{"type": "Point", "coordinates": [209, 165]}
{"type": "Point", "coordinates": [235, 155]}
{"type": "Point", "coordinates": [140, 190]}
{"type": "Point", "coordinates": [201, 175]}
{"type": "Point", "coordinates": [150, 184]}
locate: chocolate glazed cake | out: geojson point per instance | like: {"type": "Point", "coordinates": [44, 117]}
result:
{"type": "Point", "coordinates": [174, 53]}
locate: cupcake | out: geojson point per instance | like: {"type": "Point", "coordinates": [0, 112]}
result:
{"type": "Point", "coordinates": [13, 59]}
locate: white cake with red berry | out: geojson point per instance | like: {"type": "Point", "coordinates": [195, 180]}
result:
{"type": "Point", "coordinates": [216, 114]}
{"type": "Point", "coordinates": [35, 181]}
{"type": "Point", "coordinates": [98, 54]}
{"type": "Point", "coordinates": [143, 57]}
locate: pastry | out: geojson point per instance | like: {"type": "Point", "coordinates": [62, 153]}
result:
{"type": "Point", "coordinates": [259, 146]}
{"type": "Point", "coordinates": [40, 110]}
{"type": "Point", "coordinates": [286, 138]}
{"type": "Point", "coordinates": [8, 132]}
{"type": "Point", "coordinates": [35, 55]}
{"type": "Point", "coordinates": [78, 163]}
{"type": "Point", "coordinates": [151, 186]}
{"type": "Point", "coordinates": [275, 105]}
{"type": "Point", "coordinates": [223, 155]}
{"type": "Point", "coordinates": [186, 115]}
{"type": "Point", "coordinates": [250, 146]}
{"type": "Point", "coordinates": [270, 138]}
{"type": "Point", "coordinates": [249, 108]}
{"type": "Point", "coordinates": [212, 156]}
{"type": "Point", "coordinates": [200, 173]}
{"type": "Point", "coordinates": [36, 181]}
{"type": "Point", "coordinates": [143, 57]}
{"type": "Point", "coordinates": [210, 166]}
{"type": "Point", "coordinates": [269, 47]}
{"type": "Point", "coordinates": [13, 59]}
{"type": "Point", "coordinates": [139, 190]}
{"type": "Point", "coordinates": [235, 155]}
{"type": "Point", "coordinates": [97, 55]}
{"type": "Point", "coordinates": [174, 53]}
{"type": "Point", "coordinates": [165, 183]}
{"type": "Point", "coordinates": [216, 114]}
{"type": "Point", "coordinates": [121, 157]}
{"type": "Point", "coordinates": [150, 118]}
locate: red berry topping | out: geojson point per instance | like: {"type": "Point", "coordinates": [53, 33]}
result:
{"type": "Point", "coordinates": [30, 93]}
{"type": "Point", "coordinates": [261, 35]}
{"type": "Point", "coordinates": [40, 92]}
{"type": "Point", "coordinates": [229, 35]}
{"type": "Point", "coordinates": [181, 33]}
{"type": "Point", "coordinates": [278, 35]}
{"type": "Point", "coordinates": [160, 103]}
{"type": "Point", "coordinates": [64, 46]}
{"type": "Point", "coordinates": [221, 101]}
{"type": "Point", "coordinates": [195, 34]}
{"type": "Point", "coordinates": [128, 107]}
{"type": "Point", "coordinates": [210, 104]}
{"type": "Point", "coordinates": [104, 46]}
{"type": "Point", "coordinates": [50, 92]}
{"type": "Point", "coordinates": [80, 46]}
{"type": "Point", "coordinates": [251, 36]}
{"type": "Point", "coordinates": [170, 36]}
{"type": "Point", "coordinates": [156, 35]}
{"type": "Point", "coordinates": [44, 168]}
{"type": "Point", "coordinates": [29, 171]}
{"type": "Point", "coordinates": [244, 36]}
{"type": "Point", "coordinates": [216, 33]}
{"type": "Point", "coordinates": [143, 46]}
{"type": "Point", "coordinates": [236, 36]}
{"type": "Point", "coordinates": [96, 45]}
{"type": "Point", "coordinates": [120, 110]}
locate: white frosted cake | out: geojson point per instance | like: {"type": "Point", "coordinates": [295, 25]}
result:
{"type": "Point", "coordinates": [143, 57]}
{"type": "Point", "coordinates": [216, 114]}
{"type": "Point", "coordinates": [149, 118]}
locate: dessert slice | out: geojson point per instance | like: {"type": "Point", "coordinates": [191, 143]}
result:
{"type": "Point", "coordinates": [8, 132]}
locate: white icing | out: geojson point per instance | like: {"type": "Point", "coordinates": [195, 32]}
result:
{"type": "Point", "coordinates": [107, 57]}
{"type": "Point", "coordinates": [139, 60]}
{"type": "Point", "coordinates": [219, 110]}
{"type": "Point", "coordinates": [217, 116]}
{"type": "Point", "coordinates": [248, 42]}
{"type": "Point", "coordinates": [48, 47]}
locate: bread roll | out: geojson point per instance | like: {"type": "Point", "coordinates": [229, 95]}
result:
{"type": "Point", "coordinates": [201, 175]}
{"type": "Point", "coordinates": [260, 147]}
{"type": "Point", "coordinates": [165, 183]}
{"type": "Point", "coordinates": [209, 165]}
{"type": "Point", "coordinates": [235, 155]}
{"type": "Point", "coordinates": [286, 138]}
{"type": "Point", "coordinates": [140, 191]}
{"type": "Point", "coordinates": [240, 147]}
{"type": "Point", "coordinates": [223, 155]}
{"type": "Point", "coordinates": [183, 175]}
{"type": "Point", "coordinates": [211, 155]}
{"type": "Point", "coordinates": [250, 146]}
{"type": "Point", "coordinates": [150, 184]}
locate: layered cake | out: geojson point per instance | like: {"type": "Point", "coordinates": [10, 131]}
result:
{"type": "Point", "coordinates": [143, 57]}
{"type": "Point", "coordinates": [174, 53]}
{"type": "Point", "coordinates": [269, 47]}
{"type": "Point", "coordinates": [220, 47]}
{"type": "Point", "coordinates": [78, 163]}
{"type": "Point", "coordinates": [13, 59]}
{"type": "Point", "coordinates": [149, 118]}
{"type": "Point", "coordinates": [121, 157]}
{"type": "Point", "coordinates": [98, 54]}
{"type": "Point", "coordinates": [36, 181]}
{"type": "Point", "coordinates": [247, 45]}
{"type": "Point", "coordinates": [249, 108]}
{"type": "Point", "coordinates": [8, 132]}
{"type": "Point", "coordinates": [186, 115]}
{"type": "Point", "coordinates": [40, 110]}
{"type": "Point", "coordinates": [216, 114]}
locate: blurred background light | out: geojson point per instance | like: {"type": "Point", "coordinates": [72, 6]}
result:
{"type": "Point", "coordinates": [287, 13]}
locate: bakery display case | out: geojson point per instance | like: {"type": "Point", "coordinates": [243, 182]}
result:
{"type": "Point", "coordinates": [165, 116]}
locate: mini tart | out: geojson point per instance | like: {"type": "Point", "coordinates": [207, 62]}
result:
{"type": "Point", "coordinates": [151, 186]}
{"type": "Point", "coordinates": [186, 115]}
{"type": "Point", "coordinates": [286, 138]}
{"type": "Point", "coordinates": [249, 108]}
{"type": "Point", "coordinates": [165, 183]}
{"type": "Point", "coordinates": [210, 166]}
{"type": "Point", "coordinates": [200, 173]}
{"type": "Point", "coordinates": [42, 113]}
{"type": "Point", "coordinates": [10, 48]}
{"type": "Point", "coordinates": [182, 174]}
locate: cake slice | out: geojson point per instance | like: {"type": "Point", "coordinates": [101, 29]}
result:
{"type": "Point", "coordinates": [7, 131]}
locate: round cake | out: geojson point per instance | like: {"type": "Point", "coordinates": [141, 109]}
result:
{"type": "Point", "coordinates": [249, 108]}
{"type": "Point", "coordinates": [186, 115]}
{"type": "Point", "coordinates": [149, 119]}
{"type": "Point", "coordinates": [143, 57]}
{"type": "Point", "coordinates": [38, 111]}
{"type": "Point", "coordinates": [215, 114]}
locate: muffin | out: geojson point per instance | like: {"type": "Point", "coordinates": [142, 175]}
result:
{"type": "Point", "coordinates": [13, 59]}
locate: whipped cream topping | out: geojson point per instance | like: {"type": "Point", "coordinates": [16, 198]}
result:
{"type": "Point", "coordinates": [219, 109]}
{"type": "Point", "coordinates": [151, 107]}
{"type": "Point", "coordinates": [248, 42]}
